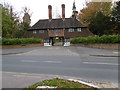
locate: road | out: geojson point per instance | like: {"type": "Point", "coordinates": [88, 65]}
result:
{"type": "Point", "coordinates": [87, 63]}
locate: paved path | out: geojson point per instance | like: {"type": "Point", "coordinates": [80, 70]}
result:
{"type": "Point", "coordinates": [76, 62]}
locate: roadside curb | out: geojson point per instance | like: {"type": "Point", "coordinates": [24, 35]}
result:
{"type": "Point", "coordinates": [82, 82]}
{"type": "Point", "coordinates": [11, 53]}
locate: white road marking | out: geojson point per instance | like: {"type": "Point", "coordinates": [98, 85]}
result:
{"type": "Point", "coordinates": [53, 61]}
{"type": "Point", "coordinates": [116, 52]}
{"type": "Point", "coordinates": [32, 61]}
{"type": "Point", "coordinates": [26, 76]}
{"type": "Point", "coordinates": [100, 63]}
{"type": "Point", "coordinates": [29, 61]}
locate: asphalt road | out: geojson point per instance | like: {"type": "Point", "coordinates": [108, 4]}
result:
{"type": "Point", "coordinates": [86, 63]}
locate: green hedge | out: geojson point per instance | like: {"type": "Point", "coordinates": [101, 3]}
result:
{"type": "Point", "coordinates": [17, 41]}
{"type": "Point", "coordinates": [97, 39]}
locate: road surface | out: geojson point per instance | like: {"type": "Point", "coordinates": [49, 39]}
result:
{"type": "Point", "coordinates": [87, 63]}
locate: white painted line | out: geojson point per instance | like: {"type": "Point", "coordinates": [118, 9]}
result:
{"type": "Point", "coordinates": [116, 52]}
{"type": "Point", "coordinates": [52, 61]}
{"type": "Point", "coordinates": [100, 63]}
{"type": "Point", "coordinates": [32, 61]}
{"type": "Point", "coordinates": [29, 61]}
{"type": "Point", "coordinates": [89, 84]}
{"type": "Point", "coordinates": [26, 76]}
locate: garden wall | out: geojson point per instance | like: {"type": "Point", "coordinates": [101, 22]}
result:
{"type": "Point", "coordinates": [101, 46]}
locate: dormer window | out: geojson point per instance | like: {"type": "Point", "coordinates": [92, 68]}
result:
{"type": "Point", "coordinates": [79, 29]}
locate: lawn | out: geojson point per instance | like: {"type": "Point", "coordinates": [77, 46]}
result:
{"type": "Point", "coordinates": [60, 83]}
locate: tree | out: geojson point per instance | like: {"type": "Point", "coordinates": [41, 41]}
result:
{"type": "Point", "coordinates": [116, 18]}
{"type": "Point", "coordinates": [10, 21]}
{"type": "Point", "coordinates": [25, 24]}
{"type": "Point", "coordinates": [7, 22]}
{"type": "Point", "coordinates": [91, 9]}
{"type": "Point", "coordinates": [26, 17]}
{"type": "Point", "coordinates": [100, 24]}
{"type": "Point", "coordinates": [12, 26]}
{"type": "Point", "coordinates": [0, 20]}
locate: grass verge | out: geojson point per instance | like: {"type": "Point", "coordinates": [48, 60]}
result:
{"type": "Point", "coordinates": [60, 84]}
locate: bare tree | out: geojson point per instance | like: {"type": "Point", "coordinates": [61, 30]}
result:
{"type": "Point", "coordinates": [26, 17]}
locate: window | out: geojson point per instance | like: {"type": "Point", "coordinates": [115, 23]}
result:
{"type": "Point", "coordinates": [70, 30]}
{"type": "Point", "coordinates": [34, 31]}
{"type": "Point", "coordinates": [56, 31]}
{"type": "Point", "coordinates": [41, 31]}
{"type": "Point", "coordinates": [79, 29]}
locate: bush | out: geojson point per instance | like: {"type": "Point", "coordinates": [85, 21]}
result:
{"type": "Point", "coordinates": [97, 39]}
{"type": "Point", "coordinates": [18, 41]}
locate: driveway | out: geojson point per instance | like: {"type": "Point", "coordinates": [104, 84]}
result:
{"type": "Point", "coordinates": [88, 64]}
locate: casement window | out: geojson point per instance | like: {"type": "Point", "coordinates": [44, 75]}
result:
{"type": "Point", "coordinates": [79, 29]}
{"type": "Point", "coordinates": [70, 30]}
{"type": "Point", "coordinates": [56, 31]}
{"type": "Point", "coordinates": [41, 31]}
{"type": "Point", "coordinates": [34, 31]}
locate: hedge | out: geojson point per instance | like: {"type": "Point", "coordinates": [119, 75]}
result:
{"type": "Point", "coordinates": [97, 39]}
{"type": "Point", "coordinates": [18, 41]}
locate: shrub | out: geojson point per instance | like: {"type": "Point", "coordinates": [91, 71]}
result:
{"type": "Point", "coordinates": [17, 41]}
{"type": "Point", "coordinates": [97, 39]}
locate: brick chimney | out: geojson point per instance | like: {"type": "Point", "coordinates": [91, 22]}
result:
{"type": "Point", "coordinates": [63, 11]}
{"type": "Point", "coordinates": [50, 11]}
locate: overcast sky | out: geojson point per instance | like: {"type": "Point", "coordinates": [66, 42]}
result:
{"type": "Point", "coordinates": [39, 8]}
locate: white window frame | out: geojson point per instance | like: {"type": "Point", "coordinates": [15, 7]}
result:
{"type": "Point", "coordinates": [71, 30]}
{"type": "Point", "coordinates": [79, 30]}
{"type": "Point", "coordinates": [34, 31]}
{"type": "Point", "coordinates": [41, 31]}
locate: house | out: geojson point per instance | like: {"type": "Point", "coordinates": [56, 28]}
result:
{"type": "Point", "coordinates": [59, 28]}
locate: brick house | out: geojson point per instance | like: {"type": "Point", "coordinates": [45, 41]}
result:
{"type": "Point", "coordinates": [60, 28]}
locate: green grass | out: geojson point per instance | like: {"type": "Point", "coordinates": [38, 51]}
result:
{"type": "Point", "coordinates": [60, 83]}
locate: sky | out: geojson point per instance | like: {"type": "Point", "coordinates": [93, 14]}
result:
{"type": "Point", "coordinates": [39, 8]}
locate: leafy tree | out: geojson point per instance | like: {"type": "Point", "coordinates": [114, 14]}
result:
{"type": "Point", "coordinates": [100, 24]}
{"type": "Point", "coordinates": [116, 18]}
{"type": "Point", "coordinates": [12, 26]}
{"type": "Point", "coordinates": [0, 20]}
{"type": "Point", "coordinates": [7, 23]}
{"type": "Point", "coordinates": [91, 9]}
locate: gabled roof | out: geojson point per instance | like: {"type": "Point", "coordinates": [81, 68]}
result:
{"type": "Point", "coordinates": [57, 23]}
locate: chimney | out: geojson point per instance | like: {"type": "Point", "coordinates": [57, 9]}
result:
{"type": "Point", "coordinates": [50, 11]}
{"type": "Point", "coordinates": [63, 11]}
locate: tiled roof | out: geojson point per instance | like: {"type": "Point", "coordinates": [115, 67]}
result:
{"type": "Point", "coordinates": [57, 23]}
